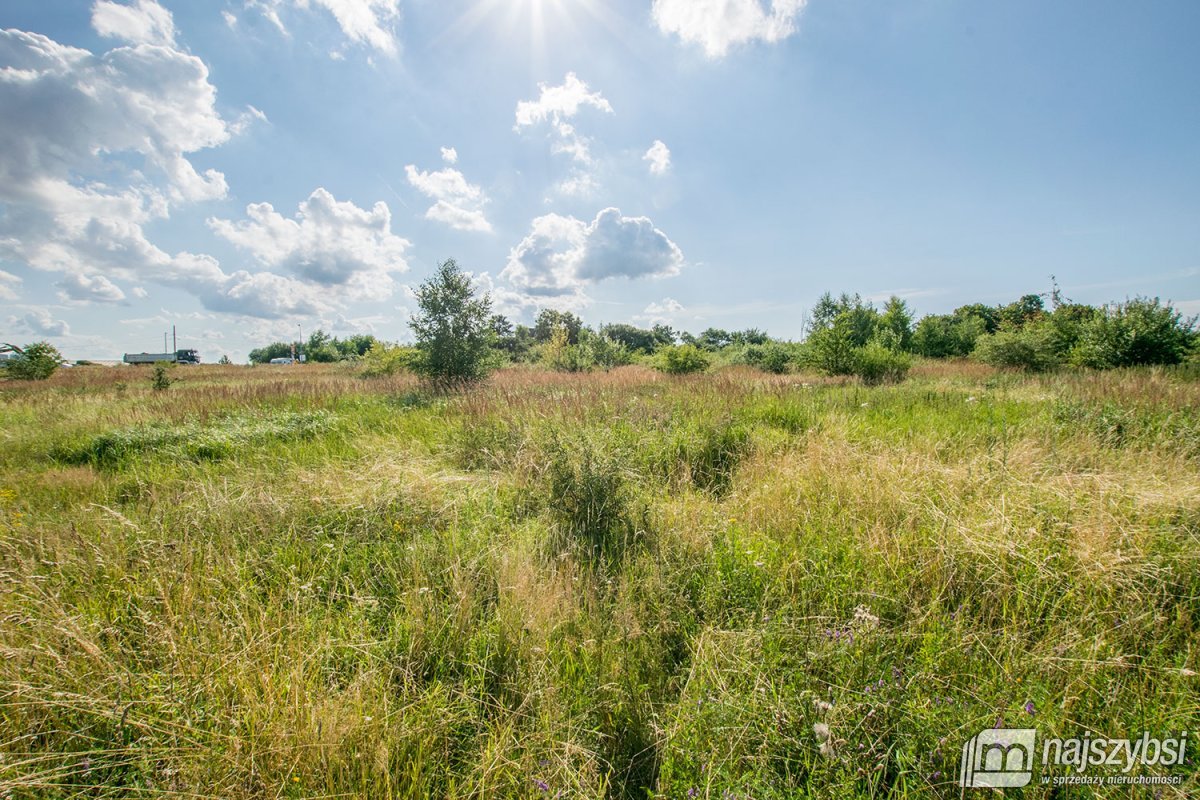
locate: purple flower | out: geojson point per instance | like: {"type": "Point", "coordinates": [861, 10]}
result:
{"type": "Point", "coordinates": [692, 792]}
{"type": "Point", "coordinates": [1030, 708]}
{"type": "Point", "coordinates": [545, 787]}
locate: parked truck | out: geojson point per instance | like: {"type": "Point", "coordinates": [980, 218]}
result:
{"type": "Point", "coordinates": [178, 357]}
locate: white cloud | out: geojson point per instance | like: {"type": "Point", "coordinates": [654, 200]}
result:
{"type": "Point", "coordinates": [144, 22]}
{"type": "Point", "coordinates": [76, 287]}
{"type": "Point", "coordinates": [92, 148]}
{"type": "Point", "coordinates": [68, 111]}
{"type": "Point", "coordinates": [328, 243]}
{"type": "Point", "coordinates": [718, 25]}
{"type": "Point", "coordinates": [556, 105]}
{"type": "Point", "coordinates": [449, 155]}
{"type": "Point", "coordinates": [457, 202]}
{"type": "Point", "coordinates": [662, 311]}
{"type": "Point", "coordinates": [561, 255]}
{"type": "Point", "coordinates": [139, 292]}
{"type": "Point", "coordinates": [659, 157]}
{"type": "Point", "coordinates": [367, 22]}
{"type": "Point", "coordinates": [559, 102]}
{"type": "Point", "coordinates": [8, 284]}
{"type": "Point", "coordinates": [230, 19]}
{"type": "Point", "coordinates": [40, 323]}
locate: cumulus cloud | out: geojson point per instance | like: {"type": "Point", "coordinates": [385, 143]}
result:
{"type": "Point", "coordinates": [143, 22]}
{"type": "Point", "coordinates": [457, 202]}
{"type": "Point", "coordinates": [328, 243]}
{"type": "Point", "coordinates": [718, 25]}
{"type": "Point", "coordinates": [40, 323]}
{"type": "Point", "coordinates": [664, 310]}
{"type": "Point", "coordinates": [659, 157]}
{"type": "Point", "coordinates": [555, 103]}
{"type": "Point", "coordinates": [555, 107]}
{"type": "Point", "coordinates": [95, 147]}
{"type": "Point", "coordinates": [449, 155]}
{"type": "Point", "coordinates": [561, 254]}
{"type": "Point", "coordinates": [79, 288]}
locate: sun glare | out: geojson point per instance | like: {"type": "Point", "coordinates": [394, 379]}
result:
{"type": "Point", "coordinates": [527, 23]}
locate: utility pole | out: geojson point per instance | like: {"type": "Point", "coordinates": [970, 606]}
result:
{"type": "Point", "coordinates": [174, 341]}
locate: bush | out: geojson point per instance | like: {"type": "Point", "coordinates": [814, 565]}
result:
{"type": "Point", "coordinates": [772, 357]}
{"type": "Point", "coordinates": [387, 359]}
{"type": "Point", "coordinates": [683, 359]}
{"type": "Point", "coordinates": [876, 363]}
{"type": "Point", "coordinates": [1031, 348]}
{"type": "Point", "coordinates": [37, 362]}
{"type": "Point", "coordinates": [589, 496]}
{"type": "Point", "coordinates": [947, 335]}
{"type": "Point", "coordinates": [604, 352]}
{"type": "Point", "coordinates": [1136, 332]}
{"type": "Point", "coordinates": [161, 380]}
{"type": "Point", "coordinates": [832, 349]}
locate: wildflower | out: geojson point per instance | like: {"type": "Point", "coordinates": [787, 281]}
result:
{"type": "Point", "coordinates": [821, 731]}
{"type": "Point", "coordinates": [827, 749]}
{"type": "Point", "coordinates": [692, 792]}
{"type": "Point", "coordinates": [545, 787]}
{"type": "Point", "coordinates": [863, 617]}
{"type": "Point", "coordinates": [1030, 708]}
{"type": "Point", "coordinates": [823, 707]}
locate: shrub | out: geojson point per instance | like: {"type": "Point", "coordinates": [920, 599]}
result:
{"type": "Point", "coordinates": [161, 380]}
{"type": "Point", "coordinates": [1031, 348]}
{"type": "Point", "coordinates": [682, 359]}
{"type": "Point", "coordinates": [560, 355]}
{"type": "Point", "coordinates": [604, 352]}
{"type": "Point", "coordinates": [947, 335]}
{"type": "Point", "coordinates": [37, 362]}
{"type": "Point", "coordinates": [589, 496]}
{"type": "Point", "coordinates": [832, 349]}
{"type": "Point", "coordinates": [386, 359]}
{"type": "Point", "coordinates": [772, 357]}
{"type": "Point", "coordinates": [1138, 331]}
{"type": "Point", "coordinates": [875, 363]}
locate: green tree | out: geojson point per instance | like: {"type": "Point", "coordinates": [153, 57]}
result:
{"type": "Point", "coordinates": [1138, 331]}
{"type": "Point", "coordinates": [898, 319]}
{"type": "Point", "coordinates": [452, 328]}
{"type": "Point", "coordinates": [549, 320]}
{"type": "Point", "coordinates": [1020, 313]}
{"type": "Point", "coordinates": [37, 362]}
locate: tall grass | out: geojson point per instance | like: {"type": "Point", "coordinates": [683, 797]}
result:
{"type": "Point", "coordinates": [284, 582]}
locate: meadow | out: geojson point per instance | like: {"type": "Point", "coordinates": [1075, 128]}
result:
{"type": "Point", "coordinates": [296, 582]}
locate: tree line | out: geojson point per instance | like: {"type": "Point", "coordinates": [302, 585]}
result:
{"type": "Point", "coordinates": [459, 338]}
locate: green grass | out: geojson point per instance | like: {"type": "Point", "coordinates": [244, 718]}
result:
{"type": "Point", "coordinates": [265, 584]}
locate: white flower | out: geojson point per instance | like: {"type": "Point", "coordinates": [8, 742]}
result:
{"type": "Point", "coordinates": [821, 730]}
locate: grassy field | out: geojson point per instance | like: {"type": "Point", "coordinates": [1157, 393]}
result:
{"type": "Point", "coordinates": [282, 582]}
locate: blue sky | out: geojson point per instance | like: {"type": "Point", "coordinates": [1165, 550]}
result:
{"type": "Point", "coordinates": [247, 168]}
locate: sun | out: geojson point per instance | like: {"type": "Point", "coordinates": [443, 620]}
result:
{"type": "Point", "coordinates": [527, 23]}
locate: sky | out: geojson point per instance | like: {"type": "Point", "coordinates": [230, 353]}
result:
{"type": "Point", "coordinates": [251, 170]}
